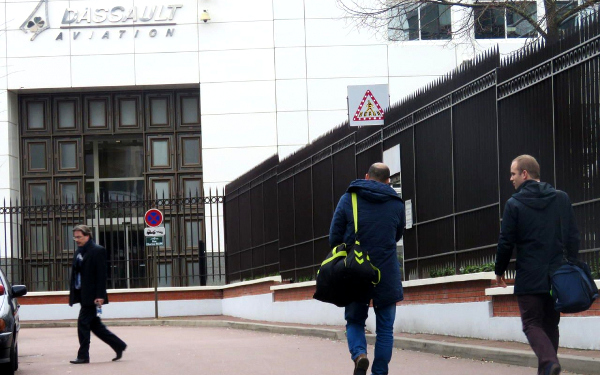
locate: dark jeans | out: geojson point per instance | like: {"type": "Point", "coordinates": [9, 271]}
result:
{"type": "Point", "coordinates": [356, 315]}
{"type": "Point", "coordinates": [540, 324]}
{"type": "Point", "coordinates": [88, 321]}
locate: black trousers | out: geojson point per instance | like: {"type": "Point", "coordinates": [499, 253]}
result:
{"type": "Point", "coordinates": [88, 321]}
{"type": "Point", "coordinates": [540, 324]}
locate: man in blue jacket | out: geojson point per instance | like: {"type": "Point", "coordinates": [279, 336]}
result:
{"type": "Point", "coordinates": [532, 222]}
{"type": "Point", "coordinates": [380, 226]}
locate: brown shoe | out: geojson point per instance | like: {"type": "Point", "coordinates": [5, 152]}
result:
{"type": "Point", "coordinates": [361, 365]}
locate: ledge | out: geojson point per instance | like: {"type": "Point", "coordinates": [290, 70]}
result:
{"type": "Point", "coordinates": [165, 289]}
{"type": "Point", "coordinates": [294, 285]}
{"type": "Point", "coordinates": [499, 291]}
{"type": "Point", "coordinates": [450, 279]}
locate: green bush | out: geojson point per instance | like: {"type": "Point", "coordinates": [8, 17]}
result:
{"type": "Point", "coordinates": [448, 271]}
{"type": "Point", "coordinates": [595, 268]}
{"type": "Point", "coordinates": [488, 267]}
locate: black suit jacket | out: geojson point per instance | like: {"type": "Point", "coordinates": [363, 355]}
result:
{"type": "Point", "coordinates": [93, 275]}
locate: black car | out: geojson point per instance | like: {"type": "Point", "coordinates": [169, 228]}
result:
{"type": "Point", "coordinates": [9, 325]}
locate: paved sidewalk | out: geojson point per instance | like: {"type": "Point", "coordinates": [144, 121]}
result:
{"type": "Point", "coordinates": [577, 361]}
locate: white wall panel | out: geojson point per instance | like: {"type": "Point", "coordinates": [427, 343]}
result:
{"type": "Point", "coordinates": [32, 72]}
{"type": "Point", "coordinates": [103, 70]}
{"type": "Point", "coordinates": [249, 129]}
{"type": "Point", "coordinates": [236, 10]}
{"type": "Point", "coordinates": [13, 107]}
{"type": "Point", "coordinates": [237, 97]}
{"type": "Point", "coordinates": [337, 32]}
{"type": "Point", "coordinates": [19, 45]}
{"type": "Point", "coordinates": [327, 94]}
{"type": "Point", "coordinates": [90, 42]}
{"type": "Point", "coordinates": [291, 95]}
{"type": "Point", "coordinates": [226, 164]}
{"type": "Point", "coordinates": [320, 122]}
{"type": "Point", "coordinates": [237, 65]}
{"type": "Point", "coordinates": [235, 35]}
{"type": "Point", "coordinates": [288, 9]}
{"type": "Point", "coordinates": [347, 61]}
{"type": "Point", "coordinates": [290, 63]}
{"type": "Point", "coordinates": [184, 38]}
{"type": "Point", "coordinates": [166, 68]}
{"type": "Point", "coordinates": [323, 9]}
{"type": "Point", "coordinates": [420, 59]}
{"type": "Point", "coordinates": [13, 141]}
{"type": "Point", "coordinates": [289, 33]}
{"type": "Point", "coordinates": [9, 170]}
{"type": "Point", "coordinates": [292, 128]}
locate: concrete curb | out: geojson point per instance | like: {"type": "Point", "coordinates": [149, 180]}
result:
{"type": "Point", "coordinates": [576, 364]}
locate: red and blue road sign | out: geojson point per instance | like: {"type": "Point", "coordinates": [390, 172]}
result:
{"type": "Point", "coordinates": [153, 217]}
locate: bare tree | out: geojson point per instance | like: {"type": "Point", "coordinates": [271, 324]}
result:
{"type": "Point", "coordinates": [396, 15]}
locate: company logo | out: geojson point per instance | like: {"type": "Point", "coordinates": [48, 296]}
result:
{"type": "Point", "coordinates": [113, 17]}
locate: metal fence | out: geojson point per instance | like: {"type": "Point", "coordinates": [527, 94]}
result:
{"type": "Point", "coordinates": [37, 246]}
{"type": "Point", "coordinates": [457, 138]}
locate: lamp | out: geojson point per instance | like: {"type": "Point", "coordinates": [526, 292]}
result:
{"type": "Point", "coordinates": [204, 16]}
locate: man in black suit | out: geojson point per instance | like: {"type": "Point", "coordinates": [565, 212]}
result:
{"type": "Point", "coordinates": [88, 287]}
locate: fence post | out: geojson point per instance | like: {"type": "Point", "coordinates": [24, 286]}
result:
{"type": "Point", "coordinates": [202, 262]}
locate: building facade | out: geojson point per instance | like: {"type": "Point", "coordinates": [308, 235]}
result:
{"type": "Point", "coordinates": [104, 101]}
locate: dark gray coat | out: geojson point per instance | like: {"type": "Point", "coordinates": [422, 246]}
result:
{"type": "Point", "coordinates": [532, 223]}
{"type": "Point", "coordinates": [93, 275]}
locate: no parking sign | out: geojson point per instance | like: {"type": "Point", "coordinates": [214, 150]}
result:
{"type": "Point", "coordinates": [153, 217]}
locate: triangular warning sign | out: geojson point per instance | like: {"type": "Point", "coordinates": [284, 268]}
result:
{"type": "Point", "coordinates": [372, 111]}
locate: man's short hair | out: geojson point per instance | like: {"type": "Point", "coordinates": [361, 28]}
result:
{"type": "Point", "coordinates": [83, 229]}
{"type": "Point", "coordinates": [529, 164]}
{"type": "Point", "coordinates": [379, 172]}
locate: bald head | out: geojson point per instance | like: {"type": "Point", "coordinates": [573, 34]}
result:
{"type": "Point", "coordinates": [379, 172]}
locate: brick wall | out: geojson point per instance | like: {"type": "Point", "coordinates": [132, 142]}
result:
{"type": "Point", "coordinates": [506, 305]}
{"type": "Point", "coordinates": [457, 292]}
{"type": "Point", "coordinates": [296, 294]}
{"type": "Point", "coordinates": [128, 297]}
{"type": "Point", "coordinates": [249, 290]}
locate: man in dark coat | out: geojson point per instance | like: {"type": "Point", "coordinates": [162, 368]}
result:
{"type": "Point", "coordinates": [380, 226]}
{"type": "Point", "coordinates": [88, 287]}
{"type": "Point", "coordinates": [537, 220]}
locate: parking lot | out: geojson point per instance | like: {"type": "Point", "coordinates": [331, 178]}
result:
{"type": "Point", "coordinates": [198, 350]}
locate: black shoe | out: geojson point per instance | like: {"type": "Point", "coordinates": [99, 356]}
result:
{"type": "Point", "coordinates": [119, 354]}
{"type": "Point", "coordinates": [361, 365]}
{"type": "Point", "coordinates": [79, 361]}
{"type": "Point", "coordinates": [553, 369]}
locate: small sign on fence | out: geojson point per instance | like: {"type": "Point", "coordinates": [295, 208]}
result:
{"type": "Point", "coordinates": [154, 241]}
{"type": "Point", "coordinates": [154, 231]}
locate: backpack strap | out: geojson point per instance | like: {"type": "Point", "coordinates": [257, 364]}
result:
{"type": "Point", "coordinates": [355, 213]}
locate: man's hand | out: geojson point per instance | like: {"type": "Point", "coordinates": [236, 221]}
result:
{"type": "Point", "coordinates": [99, 301]}
{"type": "Point", "coordinates": [500, 281]}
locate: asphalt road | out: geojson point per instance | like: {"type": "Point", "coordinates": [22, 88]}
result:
{"type": "Point", "coordinates": [213, 351]}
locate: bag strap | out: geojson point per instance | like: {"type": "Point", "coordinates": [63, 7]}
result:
{"type": "Point", "coordinates": [355, 213]}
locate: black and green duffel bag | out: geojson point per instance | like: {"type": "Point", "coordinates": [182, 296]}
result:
{"type": "Point", "coordinates": [346, 275]}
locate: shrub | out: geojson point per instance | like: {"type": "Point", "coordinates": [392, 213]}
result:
{"type": "Point", "coordinates": [487, 267]}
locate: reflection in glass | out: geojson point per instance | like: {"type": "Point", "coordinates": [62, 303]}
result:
{"type": "Point", "coordinates": [37, 156]}
{"type": "Point", "coordinates": [158, 111]}
{"type": "Point", "coordinates": [128, 112]}
{"type": "Point", "coordinates": [123, 159]}
{"type": "Point", "coordinates": [160, 153]}
{"type": "Point", "coordinates": [168, 234]}
{"type": "Point", "coordinates": [39, 237]}
{"type": "Point", "coordinates": [89, 159]}
{"type": "Point", "coordinates": [190, 109]}
{"type": "Point", "coordinates": [193, 271]}
{"type": "Point", "coordinates": [111, 191]}
{"type": "Point", "coordinates": [161, 189]}
{"type": "Point", "coordinates": [39, 278]}
{"type": "Point", "coordinates": [191, 233]}
{"type": "Point", "coordinates": [97, 113]}
{"type": "Point", "coordinates": [89, 193]}
{"type": "Point", "coordinates": [68, 193]}
{"type": "Point", "coordinates": [38, 194]}
{"type": "Point", "coordinates": [191, 151]}
{"type": "Point", "coordinates": [191, 188]}
{"type": "Point", "coordinates": [35, 115]}
{"type": "Point", "coordinates": [66, 115]}
{"type": "Point", "coordinates": [68, 155]}
{"type": "Point", "coordinates": [67, 237]}
{"type": "Point", "coordinates": [164, 274]}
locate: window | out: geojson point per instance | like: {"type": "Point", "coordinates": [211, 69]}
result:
{"type": "Point", "coordinates": [189, 110]}
{"type": "Point", "coordinates": [500, 23]}
{"type": "Point", "coordinates": [38, 193]}
{"type": "Point", "coordinates": [66, 238]}
{"type": "Point", "coordinates": [36, 116]}
{"type": "Point", "coordinates": [38, 237]}
{"type": "Point", "coordinates": [97, 113]}
{"type": "Point", "coordinates": [191, 187]}
{"type": "Point", "coordinates": [39, 278]}
{"type": "Point", "coordinates": [161, 189]}
{"type": "Point", "coordinates": [193, 273]}
{"type": "Point", "coordinates": [120, 158]}
{"type": "Point", "coordinates": [562, 7]}
{"type": "Point", "coordinates": [192, 233]}
{"type": "Point", "coordinates": [66, 115]}
{"type": "Point", "coordinates": [128, 116]}
{"type": "Point", "coordinates": [68, 192]}
{"type": "Point", "coordinates": [160, 153]}
{"type": "Point", "coordinates": [190, 152]}
{"type": "Point", "coordinates": [159, 111]}
{"type": "Point", "coordinates": [165, 271]}
{"type": "Point", "coordinates": [425, 22]}
{"type": "Point", "coordinates": [67, 155]}
{"type": "Point", "coordinates": [36, 154]}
